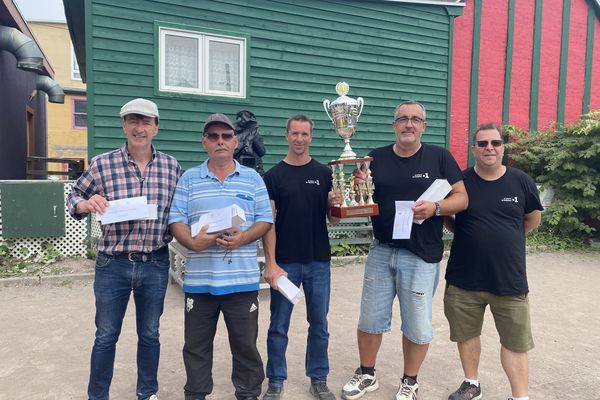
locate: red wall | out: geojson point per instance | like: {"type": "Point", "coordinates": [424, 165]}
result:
{"type": "Point", "coordinates": [492, 63]}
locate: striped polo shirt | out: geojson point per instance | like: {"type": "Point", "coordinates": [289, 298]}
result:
{"type": "Point", "coordinates": [198, 192]}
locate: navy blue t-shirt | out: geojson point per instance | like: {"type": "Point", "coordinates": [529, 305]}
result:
{"type": "Point", "coordinates": [406, 178]}
{"type": "Point", "coordinates": [300, 196]}
{"type": "Point", "coordinates": [488, 250]}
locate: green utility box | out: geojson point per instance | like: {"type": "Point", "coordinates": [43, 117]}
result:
{"type": "Point", "coordinates": [32, 209]}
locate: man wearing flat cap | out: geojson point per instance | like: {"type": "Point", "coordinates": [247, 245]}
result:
{"type": "Point", "coordinates": [222, 274]}
{"type": "Point", "coordinates": [132, 255]}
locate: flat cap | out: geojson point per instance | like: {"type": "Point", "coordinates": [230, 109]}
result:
{"type": "Point", "coordinates": [140, 106]}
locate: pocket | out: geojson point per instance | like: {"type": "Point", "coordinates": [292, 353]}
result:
{"type": "Point", "coordinates": [102, 260]}
{"type": "Point", "coordinates": [163, 262]}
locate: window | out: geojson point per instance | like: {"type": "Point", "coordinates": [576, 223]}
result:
{"type": "Point", "coordinates": [75, 75]}
{"type": "Point", "coordinates": [202, 63]}
{"type": "Point", "coordinates": [79, 107]}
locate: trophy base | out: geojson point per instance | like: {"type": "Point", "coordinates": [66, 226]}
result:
{"type": "Point", "coordinates": [355, 211]}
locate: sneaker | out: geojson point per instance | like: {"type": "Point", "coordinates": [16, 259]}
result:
{"type": "Point", "coordinates": [273, 393]}
{"type": "Point", "coordinates": [153, 397]}
{"type": "Point", "coordinates": [408, 390]}
{"type": "Point", "coordinates": [466, 391]}
{"type": "Point", "coordinates": [321, 391]}
{"type": "Point", "coordinates": [359, 384]}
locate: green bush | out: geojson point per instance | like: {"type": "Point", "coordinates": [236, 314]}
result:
{"type": "Point", "coordinates": [567, 160]}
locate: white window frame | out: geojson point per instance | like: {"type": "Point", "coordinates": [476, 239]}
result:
{"type": "Point", "coordinates": [203, 58]}
{"type": "Point", "coordinates": [73, 64]}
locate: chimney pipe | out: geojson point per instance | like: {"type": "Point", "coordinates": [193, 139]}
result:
{"type": "Point", "coordinates": [51, 87]}
{"type": "Point", "coordinates": [29, 57]}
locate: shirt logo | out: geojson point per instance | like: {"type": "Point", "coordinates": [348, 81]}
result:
{"type": "Point", "coordinates": [510, 199]}
{"type": "Point", "coordinates": [422, 176]}
{"type": "Point", "coordinates": [313, 182]}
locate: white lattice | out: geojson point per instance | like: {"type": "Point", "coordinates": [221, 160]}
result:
{"type": "Point", "coordinates": [73, 243]}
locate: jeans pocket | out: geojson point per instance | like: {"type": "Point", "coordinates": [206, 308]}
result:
{"type": "Point", "coordinates": [163, 262]}
{"type": "Point", "coordinates": [102, 260]}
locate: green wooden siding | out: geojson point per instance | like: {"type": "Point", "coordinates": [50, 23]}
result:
{"type": "Point", "coordinates": [298, 51]}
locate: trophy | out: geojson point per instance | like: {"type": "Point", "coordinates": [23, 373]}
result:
{"type": "Point", "coordinates": [357, 194]}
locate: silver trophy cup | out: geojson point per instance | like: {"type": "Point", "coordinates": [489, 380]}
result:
{"type": "Point", "coordinates": [344, 113]}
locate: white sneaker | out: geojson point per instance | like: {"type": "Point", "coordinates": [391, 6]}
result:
{"type": "Point", "coordinates": [153, 397]}
{"type": "Point", "coordinates": [408, 390]}
{"type": "Point", "coordinates": [358, 385]}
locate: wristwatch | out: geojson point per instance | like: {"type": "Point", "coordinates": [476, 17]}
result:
{"type": "Point", "coordinates": [438, 209]}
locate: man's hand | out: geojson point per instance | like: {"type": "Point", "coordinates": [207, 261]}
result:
{"type": "Point", "coordinates": [95, 204]}
{"type": "Point", "coordinates": [334, 198]}
{"type": "Point", "coordinates": [423, 209]}
{"type": "Point", "coordinates": [203, 240]}
{"type": "Point", "coordinates": [231, 239]}
{"type": "Point", "coordinates": [272, 273]}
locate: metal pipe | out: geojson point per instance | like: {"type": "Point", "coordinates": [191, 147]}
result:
{"type": "Point", "coordinates": [29, 57]}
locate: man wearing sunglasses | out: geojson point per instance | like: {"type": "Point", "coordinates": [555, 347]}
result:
{"type": "Point", "coordinates": [133, 255]}
{"type": "Point", "coordinates": [222, 274]}
{"type": "Point", "coordinates": [297, 246]}
{"type": "Point", "coordinates": [404, 268]}
{"type": "Point", "coordinates": [487, 264]}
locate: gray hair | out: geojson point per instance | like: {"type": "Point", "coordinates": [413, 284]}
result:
{"type": "Point", "coordinates": [411, 102]}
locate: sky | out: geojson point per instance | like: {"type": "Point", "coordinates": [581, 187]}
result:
{"type": "Point", "coordinates": [41, 10]}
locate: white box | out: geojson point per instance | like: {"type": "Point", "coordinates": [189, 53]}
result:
{"type": "Point", "coordinates": [220, 220]}
{"type": "Point", "coordinates": [289, 290]}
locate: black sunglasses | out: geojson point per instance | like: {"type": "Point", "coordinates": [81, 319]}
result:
{"type": "Point", "coordinates": [213, 137]}
{"type": "Point", "coordinates": [484, 143]}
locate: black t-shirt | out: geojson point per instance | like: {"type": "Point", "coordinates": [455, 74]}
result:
{"type": "Point", "coordinates": [488, 250]}
{"type": "Point", "coordinates": [300, 196]}
{"type": "Point", "coordinates": [406, 178]}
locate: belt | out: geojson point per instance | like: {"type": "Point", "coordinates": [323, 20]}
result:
{"type": "Point", "coordinates": [138, 256]}
{"type": "Point", "coordinates": [394, 245]}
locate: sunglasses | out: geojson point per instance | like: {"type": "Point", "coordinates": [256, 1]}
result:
{"type": "Point", "coordinates": [214, 137]}
{"type": "Point", "coordinates": [484, 143]}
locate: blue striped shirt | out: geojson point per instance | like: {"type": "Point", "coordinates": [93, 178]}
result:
{"type": "Point", "coordinates": [199, 192]}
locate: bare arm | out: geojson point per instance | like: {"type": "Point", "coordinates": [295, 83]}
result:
{"type": "Point", "coordinates": [272, 269]}
{"type": "Point", "coordinates": [333, 198]}
{"type": "Point", "coordinates": [532, 220]}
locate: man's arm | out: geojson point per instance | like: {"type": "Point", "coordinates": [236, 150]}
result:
{"type": "Point", "coordinates": [532, 220]}
{"type": "Point", "coordinates": [333, 198]}
{"type": "Point", "coordinates": [456, 201]}
{"type": "Point", "coordinates": [272, 270]}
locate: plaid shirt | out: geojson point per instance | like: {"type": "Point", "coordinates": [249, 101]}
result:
{"type": "Point", "coordinates": [114, 175]}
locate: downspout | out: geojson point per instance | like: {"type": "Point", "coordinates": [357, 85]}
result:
{"type": "Point", "coordinates": [29, 57]}
{"type": "Point", "coordinates": [51, 87]}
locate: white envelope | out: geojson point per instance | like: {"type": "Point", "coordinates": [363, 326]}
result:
{"type": "Point", "coordinates": [220, 220]}
{"type": "Point", "coordinates": [437, 191]}
{"type": "Point", "coordinates": [128, 209]}
{"type": "Point", "coordinates": [289, 290]}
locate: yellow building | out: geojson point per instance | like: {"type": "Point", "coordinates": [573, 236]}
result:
{"type": "Point", "coordinates": [67, 123]}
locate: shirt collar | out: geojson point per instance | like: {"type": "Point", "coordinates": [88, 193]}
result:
{"type": "Point", "coordinates": [127, 155]}
{"type": "Point", "coordinates": [205, 172]}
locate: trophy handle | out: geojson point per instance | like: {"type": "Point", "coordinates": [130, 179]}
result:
{"type": "Point", "coordinates": [360, 103]}
{"type": "Point", "coordinates": [326, 107]}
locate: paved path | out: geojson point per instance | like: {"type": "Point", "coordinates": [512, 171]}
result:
{"type": "Point", "coordinates": [46, 333]}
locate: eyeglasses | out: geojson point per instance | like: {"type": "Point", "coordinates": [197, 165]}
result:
{"type": "Point", "coordinates": [484, 143]}
{"type": "Point", "coordinates": [214, 137]}
{"type": "Point", "coordinates": [404, 120]}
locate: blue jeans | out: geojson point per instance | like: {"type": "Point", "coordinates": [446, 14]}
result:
{"type": "Point", "coordinates": [315, 278]}
{"type": "Point", "coordinates": [396, 272]}
{"type": "Point", "coordinates": [115, 278]}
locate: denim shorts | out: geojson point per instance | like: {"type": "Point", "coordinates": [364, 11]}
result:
{"type": "Point", "coordinates": [391, 272]}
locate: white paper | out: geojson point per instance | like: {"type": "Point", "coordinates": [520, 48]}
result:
{"type": "Point", "coordinates": [124, 210]}
{"type": "Point", "coordinates": [220, 220]}
{"type": "Point", "coordinates": [289, 290]}
{"type": "Point", "coordinates": [437, 191]}
{"type": "Point", "coordinates": [403, 220]}
{"type": "Point", "coordinates": [152, 211]}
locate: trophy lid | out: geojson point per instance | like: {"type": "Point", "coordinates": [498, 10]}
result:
{"type": "Point", "coordinates": [342, 88]}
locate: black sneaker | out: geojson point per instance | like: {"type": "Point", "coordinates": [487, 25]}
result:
{"type": "Point", "coordinates": [359, 384]}
{"type": "Point", "coordinates": [466, 391]}
{"type": "Point", "coordinates": [321, 391]}
{"type": "Point", "coordinates": [273, 393]}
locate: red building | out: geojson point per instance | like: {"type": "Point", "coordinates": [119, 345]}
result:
{"type": "Point", "coordinates": [527, 63]}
